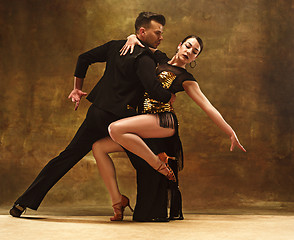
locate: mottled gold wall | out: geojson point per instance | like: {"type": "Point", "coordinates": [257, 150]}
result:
{"type": "Point", "coordinates": [246, 70]}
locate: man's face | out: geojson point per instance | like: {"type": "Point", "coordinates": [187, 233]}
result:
{"type": "Point", "coordinates": [153, 34]}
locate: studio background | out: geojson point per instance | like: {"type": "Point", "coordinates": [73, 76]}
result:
{"type": "Point", "coordinates": [245, 70]}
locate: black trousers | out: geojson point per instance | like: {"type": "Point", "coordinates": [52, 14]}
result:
{"type": "Point", "coordinates": [94, 127]}
{"type": "Point", "coordinates": [152, 194]}
{"type": "Point", "coordinates": [152, 187]}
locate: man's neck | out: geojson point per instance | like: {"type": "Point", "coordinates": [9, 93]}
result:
{"type": "Point", "coordinates": [144, 43]}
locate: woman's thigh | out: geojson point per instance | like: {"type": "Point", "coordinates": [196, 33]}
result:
{"type": "Point", "coordinates": [145, 126]}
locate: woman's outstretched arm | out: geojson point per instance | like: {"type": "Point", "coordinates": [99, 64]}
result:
{"type": "Point", "coordinates": [193, 90]}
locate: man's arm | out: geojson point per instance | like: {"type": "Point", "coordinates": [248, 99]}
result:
{"type": "Point", "coordinates": [147, 75]}
{"type": "Point", "coordinates": [97, 54]}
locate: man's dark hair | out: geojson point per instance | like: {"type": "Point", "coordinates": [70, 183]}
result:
{"type": "Point", "coordinates": [144, 19]}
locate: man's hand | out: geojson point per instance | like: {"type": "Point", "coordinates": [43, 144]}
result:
{"type": "Point", "coordinates": [76, 96]}
{"type": "Point", "coordinates": [173, 98]}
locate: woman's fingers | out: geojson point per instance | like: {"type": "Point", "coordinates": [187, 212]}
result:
{"type": "Point", "coordinates": [242, 148]}
{"type": "Point", "coordinates": [235, 142]}
{"type": "Point", "coordinates": [124, 50]}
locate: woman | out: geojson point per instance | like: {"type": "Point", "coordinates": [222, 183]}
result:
{"type": "Point", "coordinates": [157, 121]}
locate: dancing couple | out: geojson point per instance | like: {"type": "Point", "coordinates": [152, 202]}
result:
{"type": "Point", "coordinates": [132, 111]}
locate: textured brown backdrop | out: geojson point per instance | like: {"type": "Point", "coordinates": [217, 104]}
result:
{"type": "Point", "coordinates": [246, 70]}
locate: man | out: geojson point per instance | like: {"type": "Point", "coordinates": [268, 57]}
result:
{"type": "Point", "coordinates": [115, 96]}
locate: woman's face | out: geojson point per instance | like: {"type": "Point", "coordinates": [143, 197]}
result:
{"type": "Point", "coordinates": [188, 50]}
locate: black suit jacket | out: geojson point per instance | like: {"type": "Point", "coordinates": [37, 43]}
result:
{"type": "Point", "coordinates": [125, 79]}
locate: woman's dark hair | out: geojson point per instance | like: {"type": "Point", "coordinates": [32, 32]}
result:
{"type": "Point", "coordinates": [199, 40]}
{"type": "Point", "coordinates": [144, 19]}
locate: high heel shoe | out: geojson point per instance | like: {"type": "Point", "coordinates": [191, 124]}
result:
{"type": "Point", "coordinates": [119, 208]}
{"type": "Point", "coordinates": [164, 168]}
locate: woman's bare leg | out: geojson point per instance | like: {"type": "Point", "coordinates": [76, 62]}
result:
{"type": "Point", "coordinates": [106, 167]}
{"type": "Point", "coordinates": [128, 132]}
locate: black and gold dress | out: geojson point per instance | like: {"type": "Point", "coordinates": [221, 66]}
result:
{"type": "Point", "coordinates": [172, 78]}
{"type": "Point", "coordinates": [152, 195]}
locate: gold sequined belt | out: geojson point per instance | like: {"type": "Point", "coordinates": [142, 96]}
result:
{"type": "Point", "coordinates": [153, 106]}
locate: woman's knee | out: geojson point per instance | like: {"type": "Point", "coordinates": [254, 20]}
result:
{"type": "Point", "coordinates": [96, 146]}
{"type": "Point", "coordinates": [114, 130]}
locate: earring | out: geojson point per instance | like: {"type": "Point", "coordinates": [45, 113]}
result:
{"type": "Point", "coordinates": [193, 65]}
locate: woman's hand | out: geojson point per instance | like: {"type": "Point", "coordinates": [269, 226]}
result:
{"type": "Point", "coordinates": [132, 40]}
{"type": "Point", "coordinates": [235, 142]}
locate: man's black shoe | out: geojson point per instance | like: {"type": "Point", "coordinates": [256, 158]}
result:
{"type": "Point", "coordinates": [156, 219]}
{"type": "Point", "coordinates": [160, 219]}
{"type": "Point", "coordinates": [17, 210]}
{"type": "Point", "coordinates": [176, 218]}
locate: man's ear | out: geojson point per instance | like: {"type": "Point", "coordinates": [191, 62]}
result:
{"type": "Point", "coordinates": [142, 31]}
